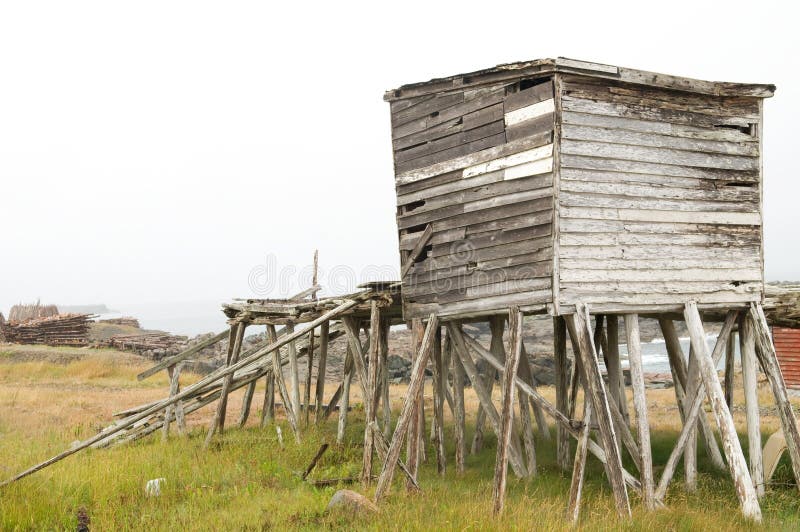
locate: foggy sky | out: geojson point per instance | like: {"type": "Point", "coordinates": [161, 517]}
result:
{"type": "Point", "coordinates": [163, 151]}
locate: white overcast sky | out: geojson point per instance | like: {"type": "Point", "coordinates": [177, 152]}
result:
{"type": "Point", "coordinates": [159, 151]}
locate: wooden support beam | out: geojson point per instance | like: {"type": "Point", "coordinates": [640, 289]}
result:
{"type": "Point", "coordinates": [640, 407]}
{"type": "Point", "coordinates": [422, 241]}
{"type": "Point", "coordinates": [268, 408]}
{"type": "Point", "coordinates": [694, 410]}
{"type": "Point", "coordinates": [417, 376]}
{"type": "Point", "coordinates": [218, 422]}
{"type": "Point", "coordinates": [247, 401]}
{"type": "Point", "coordinates": [174, 387]}
{"type": "Point", "coordinates": [413, 440]}
{"type": "Point", "coordinates": [680, 378]}
{"type": "Point", "coordinates": [765, 351]}
{"type": "Point", "coordinates": [294, 375]}
{"type": "Point", "coordinates": [372, 389]}
{"type": "Point", "coordinates": [438, 403]}
{"type": "Point", "coordinates": [616, 380]}
{"type": "Point", "coordinates": [750, 382]}
{"type": "Point", "coordinates": [524, 407]}
{"type": "Point", "coordinates": [382, 448]}
{"type": "Point", "coordinates": [733, 450]}
{"type": "Point", "coordinates": [460, 347]}
{"type": "Point", "coordinates": [730, 375]}
{"type": "Point", "coordinates": [507, 412]}
{"type": "Point", "coordinates": [309, 368]}
{"type": "Point", "coordinates": [496, 325]}
{"type": "Point", "coordinates": [384, 384]}
{"type": "Point", "coordinates": [171, 361]}
{"type": "Point", "coordinates": [690, 453]}
{"type": "Point", "coordinates": [579, 467]}
{"type": "Point", "coordinates": [526, 373]}
{"type": "Point", "coordinates": [578, 325]}
{"type": "Point", "coordinates": [351, 326]}
{"type": "Point", "coordinates": [344, 402]}
{"type": "Point", "coordinates": [322, 365]}
{"type": "Point", "coordinates": [562, 389]}
{"type": "Point", "coordinates": [277, 371]}
{"type": "Point", "coordinates": [459, 413]}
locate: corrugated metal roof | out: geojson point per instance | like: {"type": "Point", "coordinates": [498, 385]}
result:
{"type": "Point", "coordinates": [787, 347]}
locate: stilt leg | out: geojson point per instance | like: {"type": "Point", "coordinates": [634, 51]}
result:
{"type": "Point", "coordinates": [640, 406]}
{"type": "Point", "coordinates": [579, 468]}
{"type": "Point", "coordinates": [730, 358]}
{"type": "Point", "coordinates": [268, 409]}
{"type": "Point", "coordinates": [372, 388]}
{"type": "Point", "coordinates": [344, 402]}
{"type": "Point", "coordinates": [412, 442]}
{"type": "Point", "coordinates": [309, 369]}
{"type": "Point", "coordinates": [616, 380]}
{"type": "Point", "coordinates": [218, 423]}
{"type": "Point", "coordinates": [459, 412]}
{"type": "Point", "coordinates": [247, 401]}
{"type": "Point", "coordinates": [277, 371]}
{"type": "Point", "coordinates": [562, 392]}
{"type": "Point", "coordinates": [690, 453]}
{"type": "Point", "coordinates": [438, 402]}
{"type": "Point", "coordinates": [387, 407]}
{"type": "Point", "coordinates": [322, 366]}
{"type": "Point", "coordinates": [750, 381]}
{"type": "Point", "coordinates": [496, 324]}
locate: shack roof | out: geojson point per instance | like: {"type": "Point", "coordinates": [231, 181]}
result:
{"type": "Point", "coordinates": [547, 67]}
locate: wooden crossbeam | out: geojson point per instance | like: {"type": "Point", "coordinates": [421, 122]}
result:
{"type": "Point", "coordinates": [422, 241]}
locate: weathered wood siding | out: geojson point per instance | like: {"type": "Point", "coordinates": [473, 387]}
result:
{"type": "Point", "coordinates": [659, 196]}
{"type": "Point", "coordinates": [477, 166]}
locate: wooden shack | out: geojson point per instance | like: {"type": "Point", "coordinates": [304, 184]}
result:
{"type": "Point", "coordinates": [553, 182]}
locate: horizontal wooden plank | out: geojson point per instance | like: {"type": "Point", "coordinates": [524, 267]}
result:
{"type": "Point", "coordinates": [529, 96]}
{"type": "Point", "coordinates": [657, 182]}
{"type": "Point", "coordinates": [656, 264]}
{"type": "Point", "coordinates": [662, 128]}
{"type": "Point", "coordinates": [407, 241]}
{"type": "Point", "coordinates": [635, 294]}
{"type": "Point", "coordinates": [494, 238]}
{"type": "Point", "coordinates": [612, 201]}
{"type": "Point", "coordinates": [721, 194]}
{"type": "Point", "coordinates": [644, 112]}
{"type": "Point", "coordinates": [475, 292]}
{"type": "Point", "coordinates": [479, 217]}
{"type": "Point", "coordinates": [655, 140]}
{"type": "Point", "coordinates": [451, 141]}
{"type": "Point", "coordinates": [702, 240]}
{"type": "Point", "coordinates": [462, 254]}
{"type": "Point", "coordinates": [472, 159]}
{"type": "Point", "coordinates": [452, 153]}
{"type": "Point", "coordinates": [568, 275]}
{"type": "Point", "coordinates": [450, 187]}
{"type": "Point", "coordinates": [647, 252]}
{"type": "Point", "coordinates": [515, 159]}
{"type": "Point", "coordinates": [600, 163]}
{"type": "Point", "coordinates": [475, 278]}
{"type": "Point", "coordinates": [658, 155]}
{"type": "Point", "coordinates": [480, 306]}
{"type": "Point", "coordinates": [426, 107]}
{"type": "Point", "coordinates": [530, 112]}
{"type": "Point", "coordinates": [579, 225]}
{"type": "Point", "coordinates": [531, 219]}
{"type": "Point", "coordinates": [640, 215]}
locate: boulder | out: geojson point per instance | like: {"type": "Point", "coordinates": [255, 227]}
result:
{"type": "Point", "coordinates": [350, 501]}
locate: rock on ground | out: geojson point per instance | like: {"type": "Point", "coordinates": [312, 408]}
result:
{"type": "Point", "coordinates": [350, 500]}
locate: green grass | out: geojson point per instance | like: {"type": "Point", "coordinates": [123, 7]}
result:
{"type": "Point", "coordinates": [246, 481]}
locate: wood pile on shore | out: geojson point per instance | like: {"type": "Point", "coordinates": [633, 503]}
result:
{"type": "Point", "coordinates": [125, 320]}
{"type": "Point", "coordinates": [156, 342]}
{"type": "Point", "coordinates": [61, 329]}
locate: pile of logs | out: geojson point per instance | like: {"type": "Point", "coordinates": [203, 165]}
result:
{"type": "Point", "coordinates": [22, 313]}
{"type": "Point", "coordinates": [782, 305]}
{"type": "Point", "coordinates": [61, 329]}
{"type": "Point", "coordinates": [141, 343]}
{"type": "Point", "coordinates": [125, 320]}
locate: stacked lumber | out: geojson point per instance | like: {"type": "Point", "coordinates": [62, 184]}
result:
{"type": "Point", "coordinates": [782, 305]}
{"type": "Point", "coordinates": [125, 320]}
{"type": "Point", "coordinates": [61, 329]}
{"type": "Point", "coordinates": [146, 342]}
{"type": "Point", "coordinates": [22, 313]}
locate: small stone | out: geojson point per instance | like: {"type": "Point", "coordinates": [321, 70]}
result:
{"type": "Point", "coordinates": [352, 501]}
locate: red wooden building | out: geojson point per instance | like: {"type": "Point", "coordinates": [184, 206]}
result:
{"type": "Point", "coordinates": [787, 346]}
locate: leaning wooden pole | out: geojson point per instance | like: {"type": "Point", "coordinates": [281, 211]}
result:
{"type": "Point", "coordinates": [413, 440]}
{"type": "Point", "coordinates": [417, 376]}
{"type": "Point", "coordinates": [218, 423]}
{"type": "Point", "coordinates": [733, 449]}
{"type": "Point", "coordinates": [750, 384]}
{"type": "Point", "coordinates": [322, 365]}
{"type": "Point", "coordinates": [372, 388]}
{"type": "Point", "coordinates": [640, 406]}
{"type": "Point", "coordinates": [562, 389]}
{"type": "Point", "coordinates": [507, 412]}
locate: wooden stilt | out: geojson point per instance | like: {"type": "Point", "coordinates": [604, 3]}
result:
{"type": "Point", "coordinates": [730, 358]}
{"type": "Point", "coordinates": [294, 376]}
{"type": "Point", "coordinates": [750, 382]}
{"type": "Point", "coordinates": [417, 375]}
{"type": "Point", "coordinates": [640, 406]}
{"type": "Point", "coordinates": [616, 380]}
{"type": "Point", "coordinates": [372, 388]}
{"type": "Point", "coordinates": [384, 366]}
{"type": "Point", "coordinates": [507, 412]}
{"type": "Point", "coordinates": [488, 376]}
{"type": "Point", "coordinates": [382, 448]}
{"type": "Point", "coordinates": [174, 373]}
{"type": "Point", "coordinates": [459, 413]}
{"type": "Point", "coordinates": [309, 369]}
{"type": "Point", "coordinates": [247, 401]}
{"type": "Point", "coordinates": [693, 412]}
{"type": "Point", "coordinates": [690, 453]}
{"type": "Point", "coordinates": [218, 423]}
{"type": "Point", "coordinates": [277, 371]}
{"type": "Point", "coordinates": [352, 328]}
{"type": "Point", "coordinates": [344, 402]}
{"type": "Point", "coordinates": [268, 409]}
{"type": "Point", "coordinates": [680, 378]}
{"type": "Point", "coordinates": [438, 402]}
{"type": "Point", "coordinates": [562, 378]}
{"type": "Point", "coordinates": [413, 440]}
{"type": "Point", "coordinates": [733, 450]}
{"type": "Point", "coordinates": [460, 347]}
{"type": "Point", "coordinates": [765, 351]}
{"type": "Point", "coordinates": [526, 373]}
{"type": "Point", "coordinates": [579, 468]}
{"type": "Point", "coordinates": [526, 425]}
{"type": "Point", "coordinates": [579, 329]}
{"type": "Point", "coordinates": [322, 365]}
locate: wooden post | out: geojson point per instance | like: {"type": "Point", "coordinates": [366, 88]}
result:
{"type": "Point", "coordinates": [460, 347]}
{"type": "Point", "coordinates": [680, 378]}
{"type": "Point", "coordinates": [507, 415]}
{"type": "Point", "coordinates": [277, 371]}
{"type": "Point", "coordinates": [322, 363]}
{"type": "Point", "coordinates": [309, 368]}
{"type": "Point", "coordinates": [438, 402]}
{"type": "Point", "coordinates": [579, 329]}
{"type": "Point", "coordinates": [579, 469]}
{"type": "Point", "coordinates": [616, 380]}
{"type": "Point", "coordinates": [174, 373]}
{"type": "Point", "coordinates": [246, 402]}
{"type": "Point", "coordinates": [730, 440]}
{"type": "Point", "coordinates": [417, 375]}
{"type": "Point", "coordinates": [526, 424]}
{"type": "Point", "coordinates": [268, 409]}
{"type": "Point", "coordinates": [750, 381]}
{"type": "Point", "coordinates": [294, 376]}
{"type": "Point", "coordinates": [730, 375]}
{"type": "Point", "coordinates": [690, 453]}
{"type": "Point", "coordinates": [413, 440]}
{"type": "Point", "coordinates": [384, 365]}
{"type": "Point", "coordinates": [496, 324]}
{"type": "Point", "coordinates": [458, 408]}
{"type": "Point", "coordinates": [372, 388]}
{"type": "Point", "coordinates": [352, 328]}
{"type": "Point", "coordinates": [765, 351]}
{"type": "Point", "coordinates": [692, 413]}
{"type": "Point", "coordinates": [218, 423]}
{"type": "Point", "coordinates": [640, 406]}
{"type": "Point", "coordinates": [344, 402]}
{"type": "Point", "coordinates": [526, 373]}
{"type": "Point", "coordinates": [562, 389]}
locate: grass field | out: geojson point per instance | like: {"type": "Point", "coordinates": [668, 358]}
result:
{"type": "Point", "coordinates": [51, 397]}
